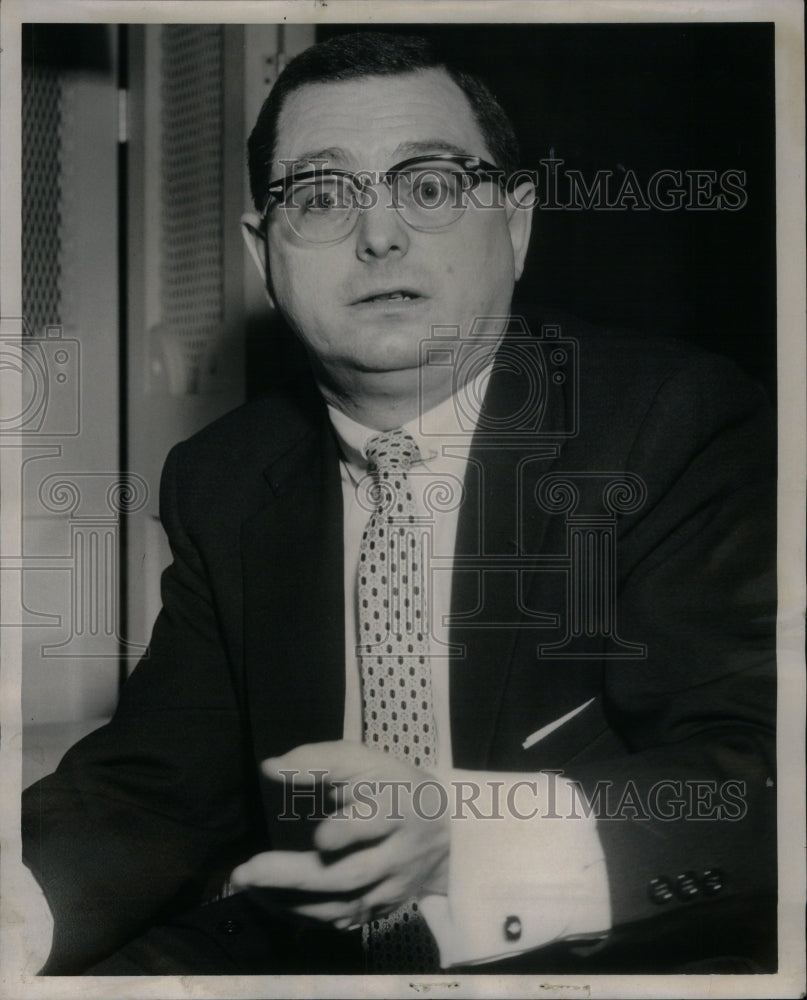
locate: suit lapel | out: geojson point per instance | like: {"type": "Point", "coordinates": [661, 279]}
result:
{"type": "Point", "coordinates": [294, 598]}
{"type": "Point", "coordinates": [499, 518]}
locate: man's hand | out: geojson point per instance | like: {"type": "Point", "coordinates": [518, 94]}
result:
{"type": "Point", "coordinates": [377, 849]}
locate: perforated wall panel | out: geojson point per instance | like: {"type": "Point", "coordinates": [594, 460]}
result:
{"type": "Point", "coordinates": [191, 274]}
{"type": "Point", "coordinates": [41, 196]}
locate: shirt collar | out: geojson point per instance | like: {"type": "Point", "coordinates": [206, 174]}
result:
{"type": "Point", "coordinates": [455, 419]}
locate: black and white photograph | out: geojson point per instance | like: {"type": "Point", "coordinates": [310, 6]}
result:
{"type": "Point", "coordinates": [403, 471]}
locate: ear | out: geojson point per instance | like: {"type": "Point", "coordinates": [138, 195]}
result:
{"type": "Point", "coordinates": [256, 244]}
{"type": "Point", "coordinates": [519, 207]}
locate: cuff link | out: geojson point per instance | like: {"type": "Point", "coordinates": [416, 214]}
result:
{"type": "Point", "coordinates": [512, 928]}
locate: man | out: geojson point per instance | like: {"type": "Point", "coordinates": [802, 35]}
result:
{"type": "Point", "coordinates": [494, 596]}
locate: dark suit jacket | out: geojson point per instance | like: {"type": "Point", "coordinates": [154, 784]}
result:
{"type": "Point", "coordinates": [247, 656]}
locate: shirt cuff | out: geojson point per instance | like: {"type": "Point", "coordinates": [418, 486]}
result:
{"type": "Point", "coordinates": [526, 867]}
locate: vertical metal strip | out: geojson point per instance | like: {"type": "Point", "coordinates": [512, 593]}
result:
{"type": "Point", "coordinates": [123, 341]}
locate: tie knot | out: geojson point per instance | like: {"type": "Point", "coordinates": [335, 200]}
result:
{"type": "Point", "coordinates": [390, 451]}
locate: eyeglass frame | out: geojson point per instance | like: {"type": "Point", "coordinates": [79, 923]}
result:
{"type": "Point", "coordinates": [472, 166]}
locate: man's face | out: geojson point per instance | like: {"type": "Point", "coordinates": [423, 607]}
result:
{"type": "Point", "coordinates": [343, 299]}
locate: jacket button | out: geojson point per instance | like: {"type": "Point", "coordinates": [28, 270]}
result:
{"type": "Point", "coordinates": [230, 926]}
{"type": "Point", "coordinates": [512, 928]}
{"type": "Point", "coordinates": [660, 890]}
{"type": "Point", "coordinates": [713, 881]}
{"type": "Point", "coordinates": [686, 886]}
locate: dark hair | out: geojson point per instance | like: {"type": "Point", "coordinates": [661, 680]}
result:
{"type": "Point", "coordinates": [369, 53]}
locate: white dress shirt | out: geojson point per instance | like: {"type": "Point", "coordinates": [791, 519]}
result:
{"type": "Point", "coordinates": [549, 874]}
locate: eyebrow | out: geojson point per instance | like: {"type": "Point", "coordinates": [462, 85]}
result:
{"type": "Point", "coordinates": [314, 156]}
{"type": "Point", "coordinates": [404, 150]}
{"type": "Point", "coordinates": [429, 146]}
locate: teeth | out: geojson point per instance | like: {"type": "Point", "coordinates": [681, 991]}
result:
{"type": "Point", "coordinates": [391, 297]}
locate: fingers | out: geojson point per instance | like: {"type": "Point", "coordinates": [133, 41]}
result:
{"type": "Point", "coordinates": [306, 871]}
{"type": "Point", "coordinates": [383, 898]}
{"type": "Point", "coordinates": [347, 915]}
{"type": "Point", "coordinates": [370, 854]}
{"type": "Point", "coordinates": [345, 894]}
{"type": "Point", "coordinates": [342, 758]}
{"type": "Point", "coordinates": [337, 832]}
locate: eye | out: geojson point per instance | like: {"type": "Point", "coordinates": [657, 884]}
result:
{"type": "Point", "coordinates": [320, 196]}
{"type": "Point", "coordinates": [431, 187]}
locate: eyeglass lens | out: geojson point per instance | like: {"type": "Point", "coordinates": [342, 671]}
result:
{"type": "Point", "coordinates": [325, 207]}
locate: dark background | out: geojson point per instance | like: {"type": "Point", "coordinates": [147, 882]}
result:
{"type": "Point", "coordinates": [615, 97]}
{"type": "Point", "coordinates": [644, 97]}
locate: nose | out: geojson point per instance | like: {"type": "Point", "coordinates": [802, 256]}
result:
{"type": "Point", "coordinates": [380, 232]}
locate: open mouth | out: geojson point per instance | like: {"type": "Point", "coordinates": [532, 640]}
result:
{"type": "Point", "coordinates": [401, 295]}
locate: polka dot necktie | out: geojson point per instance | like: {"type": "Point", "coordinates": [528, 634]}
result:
{"type": "Point", "coordinates": [393, 650]}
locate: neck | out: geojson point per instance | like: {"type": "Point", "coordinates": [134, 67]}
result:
{"type": "Point", "coordinates": [383, 401]}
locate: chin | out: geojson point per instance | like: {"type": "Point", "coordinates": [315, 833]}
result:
{"type": "Point", "coordinates": [391, 366]}
{"type": "Point", "coordinates": [389, 351]}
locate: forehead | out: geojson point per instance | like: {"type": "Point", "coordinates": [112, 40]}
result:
{"type": "Point", "coordinates": [370, 122]}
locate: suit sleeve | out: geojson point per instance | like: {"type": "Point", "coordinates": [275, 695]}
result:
{"type": "Point", "coordinates": [686, 812]}
{"type": "Point", "coordinates": [138, 812]}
